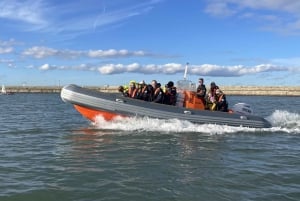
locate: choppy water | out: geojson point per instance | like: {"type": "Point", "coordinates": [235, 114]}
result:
{"type": "Point", "coordinates": [49, 152]}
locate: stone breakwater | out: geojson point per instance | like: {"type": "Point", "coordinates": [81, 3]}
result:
{"type": "Point", "coordinates": [262, 90]}
{"type": "Point", "coordinates": [228, 90]}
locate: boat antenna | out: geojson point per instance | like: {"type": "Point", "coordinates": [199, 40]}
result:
{"type": "Point", "coordinates": [185, 71]}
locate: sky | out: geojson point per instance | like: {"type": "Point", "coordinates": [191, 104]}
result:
{"type": "Point", "coordinates": [110, 42]}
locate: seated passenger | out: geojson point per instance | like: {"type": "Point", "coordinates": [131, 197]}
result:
{"type": "Point", "coordinates": [147, 93]}
{"type": "Point", "coordinates": [221, 103]}
{"type": "Point", "coordinates": [154, 83]}
{"type": "Point", "coordinates": [170, 94]}
{"type": "Point", "coordinates": [141, 86]}
{"type": "Point", "coordinates": [211, 97]}
{"type": "Point", "coordinates": [132, 90]}
{"type": "Point", "coordinates": [158, 95]}
{"type": "Point", "coordinates": [123, 90]}
{"type": "Point", "coordinates": [201, 89]}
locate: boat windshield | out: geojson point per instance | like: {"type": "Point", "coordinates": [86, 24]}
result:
{"type": "Point", "coordinates": [185, 85]}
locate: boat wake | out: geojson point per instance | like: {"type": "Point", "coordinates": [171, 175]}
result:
{"type": "Point", "coordinates": [285, 121]}
{"type": "Point", "coordinates": [282, 121]}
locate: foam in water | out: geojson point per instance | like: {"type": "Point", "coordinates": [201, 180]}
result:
{"type": "Point", "coordinates": [281, 121]}
{"type": "Point", "coordinates": [285, 121]}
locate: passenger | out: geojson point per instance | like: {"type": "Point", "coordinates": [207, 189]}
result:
{"type": "Point", "coordinates": [123, 90]}
{"type": "Point", "coordinates": [154, 83]}
{"type": "Point", "coordinates": [201, 89]}
{"type": "Point", "coordinates": [213, 86]}
{"type": "Point", "coordinates": [147, 94]}
{"type": "Point", "coordinates": [132, 91]}
{"type": "Point", "coordinates": [222, 104]}
{"type": "Point", "coordinates": [170, 94]}
{"type": "Point", "coordinates": [211, 97]}
{"type": "Point", "coordinates": [140, 89]}
{"type": "Point", "coordinates": [158, 95]}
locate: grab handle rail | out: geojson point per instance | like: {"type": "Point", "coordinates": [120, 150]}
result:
{"type": "Point", "coordinates": [187, 112]}
{"type": "Point", "coordinates": [119, 100]}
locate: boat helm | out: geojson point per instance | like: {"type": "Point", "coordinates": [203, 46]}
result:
{"type": "Point", "coordinates": [242, 108]}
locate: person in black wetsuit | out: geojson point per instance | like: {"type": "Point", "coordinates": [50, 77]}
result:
{"type": "Point", "coordinates": [201, 89]}
{"type": "Point", "coordinates": [158, 95]}
{"type": "Point", "coordinates": [170, 94]}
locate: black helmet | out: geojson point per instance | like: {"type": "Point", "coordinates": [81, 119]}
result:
{"type": "Point", "coordinates": [170, 84]}
{"type": "Point", "coordinates": [120, 88]}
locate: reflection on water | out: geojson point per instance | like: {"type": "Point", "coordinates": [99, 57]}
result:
{"type": "Point", "coordinates": [88, 142]}
{"type": "Point", "coordinates": [92, 134]}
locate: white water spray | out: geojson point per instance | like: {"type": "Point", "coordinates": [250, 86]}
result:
{"type": "Point", "coordinates": [281, 121]}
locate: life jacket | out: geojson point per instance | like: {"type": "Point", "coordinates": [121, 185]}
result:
{"type": "Point", "coordinates": [132, 92]}
{"type": "Point", "coordinates": [135, 93]}
{"type": "Point", "coordinates": [158, 95]}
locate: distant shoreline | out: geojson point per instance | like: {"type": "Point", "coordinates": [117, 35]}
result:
{"type": "Point", "coordinates": [229, 90]}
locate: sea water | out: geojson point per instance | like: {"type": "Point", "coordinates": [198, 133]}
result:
{"type": "Point", "coordinates": [48, 151]}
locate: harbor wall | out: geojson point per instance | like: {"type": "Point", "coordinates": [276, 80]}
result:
{"type": "Point", "coordinates": [228, 90]}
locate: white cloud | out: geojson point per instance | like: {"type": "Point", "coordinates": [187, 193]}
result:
{"type": "Point", "coordinates": [115, 53]}
{"type": "Point", "coordinates": [111, 69]}
{"type": "Point", "coordinates": [10, 42]}
{"type": "Point", "coordinates": [133, 67]}
{"type": "Point", "coordinates": [274, 15]}
{"type": "Point", "coordinates": [8, 62]}
{"type": "Point", "coordinates": [219, 9]}
{"type": "Point", "coordinates": [40, 52]}
{"type": "Point", "coordinates": [45, 67]}
{"type": "Point", "coordinates": [7, 47]}
{"type": "Point", "coordinates": [173, 68]}
{"type": "Point", "coordinates": [294, 62]}
{"type": "Point", "coordinates": [28, 11]}
{"type": "Point", "coordinates": [6, 50]}
{"type": "Point", "coordinates": [234, 6]}
{"type": "Point", "coordinates": [71, 17]}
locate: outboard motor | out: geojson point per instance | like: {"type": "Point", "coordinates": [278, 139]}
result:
{"type": "Point", "coordinates": [242, 108]}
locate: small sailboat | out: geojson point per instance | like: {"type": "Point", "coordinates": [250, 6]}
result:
{"type": "Point", "coordinates": [4, 92]}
